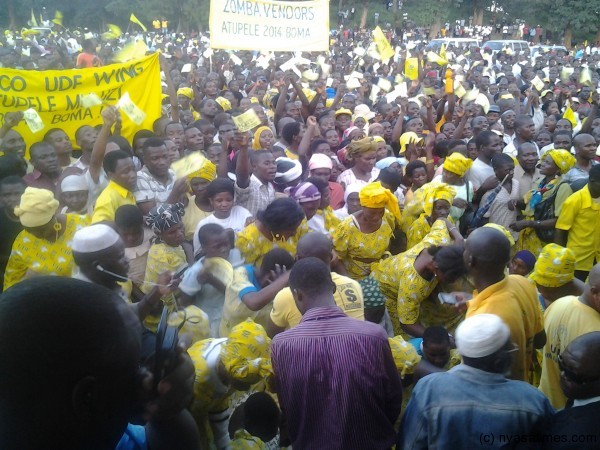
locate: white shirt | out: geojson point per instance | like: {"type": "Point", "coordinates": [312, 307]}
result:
{"type": "Point", "coordinates": [236, 221]}
{"type": "Point", "coordinates": [479, 172]}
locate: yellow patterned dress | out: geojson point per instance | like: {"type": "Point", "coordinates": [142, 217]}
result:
{"type": "Point", "coordinates": [31, 256]}
{"type": "Point", "coordinates": [253, 245]}
{"type": "Point", "coordinates": [528, 238]}
{"type": "Point", "coordinates": [404, 289]}
{"type": "Point", "coordinates": [350, 243]}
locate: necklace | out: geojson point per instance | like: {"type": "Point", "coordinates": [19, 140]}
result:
{"type": "Point", "coordinates": [56, 227]}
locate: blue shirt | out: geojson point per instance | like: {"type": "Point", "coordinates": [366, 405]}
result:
{"type": "Point", "coordinates": [134, 438]}
{"type": "Point", "coordinates": [459, 408]}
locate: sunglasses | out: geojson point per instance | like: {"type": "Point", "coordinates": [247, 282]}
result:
{"type": "Point", "coordinates": [572, 376]}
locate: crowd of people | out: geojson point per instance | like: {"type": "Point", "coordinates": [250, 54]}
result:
{"type": "Point", "coordinates": [401, 252]}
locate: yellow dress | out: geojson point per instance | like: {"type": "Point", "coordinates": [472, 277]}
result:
{"type": "Point", "coordinates": [404, 289]}
{"type": "Point", "coordinates": [31, 256]}
{"type": "Point", "coordinates": [331, 220]}
{"type": "Point", "coordinates": [528, 238]}
{"type": "Point", "coordinates": [192, 217]}
{"type": "Point", "coordinates": [253, 245]}
{"type": "Point", "coordinates": [349, 242]}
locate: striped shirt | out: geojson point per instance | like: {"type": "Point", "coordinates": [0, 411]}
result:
{"type": "Point", "coordinates": [336, 382]}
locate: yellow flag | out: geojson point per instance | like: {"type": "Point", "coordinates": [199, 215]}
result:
{"type": "Point", "coordinates": [58, 18]}
{"type": "Point", "coordinates": [585, 77]}
{"type": "Point", "coordinates": [135, 20]}
{"type": "Point", "coordinates": [443, 52]}
{"type": "Point", "coordinates": [411, 68]}
{"type": "Point", "coordinates": [114, 32]}
{"type": "Point", "coordinates": [383, 46]}
{"type": "Point", "coordinates": [131, 50]}
{"type": "Point", "coordinates": [569, 114]}
{"type": "Point", "coordinates": [33, 21]}
{"type": "Point", "coordinates": [437, 59]}
{"type": "Point", "coordinates": [246, 121]}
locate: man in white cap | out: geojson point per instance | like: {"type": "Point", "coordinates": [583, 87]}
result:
{"type": "Point", "coordinates": [99, 254]}
{"type": "Point", "coordinates": [474, 404]}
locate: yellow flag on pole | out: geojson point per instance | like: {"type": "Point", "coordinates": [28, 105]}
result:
{"type": "Point", "coordinates": [33, 21]}
{"type": "Point", "coordinates": [569, 114]}
{"type": "Point", "coordinates": [383, 46]}
{"type": "Point", "coordinates": [58, 18]}
{"type": "Point", "coordinates": [135, 20]}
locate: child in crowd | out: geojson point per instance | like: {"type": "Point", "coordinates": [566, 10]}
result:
{"type": "Point", "coordinates": [255, 422]}
{"type": "Point", "coordinates": [436, 348]}
{"type": "Point", "coordinates": [522, 263]}
{"type": "Point", "coordinates": [203, 283]}
{"type": "Point", "coordinates": [415, 176]}
{"type": "Point", "coordinates": [166, 252]}
{"type": "Point", "coordinates": [250, 290]}
{"type": "Point", "coordinates": [503, 210]}
{"type": "Point", "coordinates": [220, 193]}
{"type": "Point", "coordinates": [74, 195]}
{"type": "Point", "coordinates": [129, 222]}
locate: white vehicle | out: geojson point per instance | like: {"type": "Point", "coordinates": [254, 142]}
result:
{"type": "Point", "coordinates": [435, 44]}
{"type": "Point", "coordinates": [516, 46]}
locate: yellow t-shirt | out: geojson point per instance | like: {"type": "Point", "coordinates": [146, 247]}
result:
{"type": "Point", "coordinates": [31, 256]}
{"type": "Point", "coordinates": [565, 319]}
{"type": "Point", "coordinates": [234, 310]}
{"type": "Point", "coordinates": [192, 217]}
{"type": "Point", "coordinates": [110, 199]}
{"type": "Point", "coordinates": [580, 216]}
{"type": "Point", "coordinates": [348, 296]}
{"type": "Point", "coordinates": [514, 300]}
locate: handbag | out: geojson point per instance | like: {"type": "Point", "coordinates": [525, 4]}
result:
{"type": "Point", "coordinates": [467, 217]}
{"type": "Point", "coordinates": [544, 210]}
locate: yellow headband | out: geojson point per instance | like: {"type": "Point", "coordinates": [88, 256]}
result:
{"type": "Point", "coordinates": [457, 164]}
{"type": "Point", "coordinates": [374, 195]}
{"type": "Point", "coordinates": [554, 267]}
{"type": "Point", "coordinates": [247, 353]}
{"type": "Point", "coordinates": [359, 147]}
{"type": "Point", "coordinates": [437, 191]}
{"type": "Point", "coordinates": [256, 138]}
{"type": "Point", "coordinates": [563, 159]}
{"type": "Point", "coordinates": [186, 92]}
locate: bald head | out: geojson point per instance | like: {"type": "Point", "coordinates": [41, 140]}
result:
{"type": "Point", "coordinates": [580, 378]}
{"type": "Point", "coordinates": [594, 276]}
{"type": "Point", "coordinates": [487, 250]}
{"type": "Point", "coordinates": [315, 245]}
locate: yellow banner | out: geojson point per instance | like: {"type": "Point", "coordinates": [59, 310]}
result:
{"type": "Point", "coordinates": [269, 25]}
{"type": "Point", "coordinates": [58, 96]}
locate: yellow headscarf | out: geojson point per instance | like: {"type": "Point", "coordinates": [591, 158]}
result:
{"type": "Point", "coordinates": [195, 323]}
{"type": "Point", "coordinates": [437, 191]}
{"type": "Point", "coordinates": [554, 267]}
{"type": "Point", "coordinates": [457, 164]}
{"type": "Point", "coordinates": [247, 353]}
{"type": "Point", "coordinates": [360, 146]}
{"type": "Point", "coordinates": [374, 195]}
{"type": "Point", "coordinates": [405, 355]}
{"type": "Point", "coordinates": [409, 137]}
{"type": "Point", "coordinates": [37, 207]}
{"type": "Point", "coordinates": [186, 92]}
{"type": "Point", "coordinates": [563, 159]}
{"type": "Point", "coordinates": [378, 139]}
{"type": "Point", "coordinates": [256, 138]}
{"type": "Point", "coordinates": [224, 103]}
{"type": "Point", "coordinates": [195, 165]}
{"type": "Point", "coordinates": [503, 230]}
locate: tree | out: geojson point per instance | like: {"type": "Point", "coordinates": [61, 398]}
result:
{"type": "Point", "coordinates": [568, 15]}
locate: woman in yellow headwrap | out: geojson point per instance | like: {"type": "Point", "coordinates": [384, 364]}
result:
{"type": "Point", "coordinates": [263, 139]}
{"type": "Point", "coordinates": [438, 198]}
{"type": "Point", "coordinates": [199, 172]}
{"type": "Point", "coordinates": [361, 155]}
{"type": "Point", "coordinates": [544, 203]}
{"type": "Point", "coordinates": [185, 95]}
{"type": "Point", "coordinates": [225, 371]}
{"type": "Point", "coordinates": [44, 246]}
{"type": "Point", "coordinates": [364, 237]}
{"type": "Point", "coordinates": [454, 170]}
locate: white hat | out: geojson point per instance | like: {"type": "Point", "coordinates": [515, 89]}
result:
{"type": "Point", "coordinates": [481, 335]}
{"type": "Point", "coordinates": [575, 100]}
{"type": "Point", "coordinates": [94, 239]}
{"type": "Point", "coordinates": [73, 183]}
